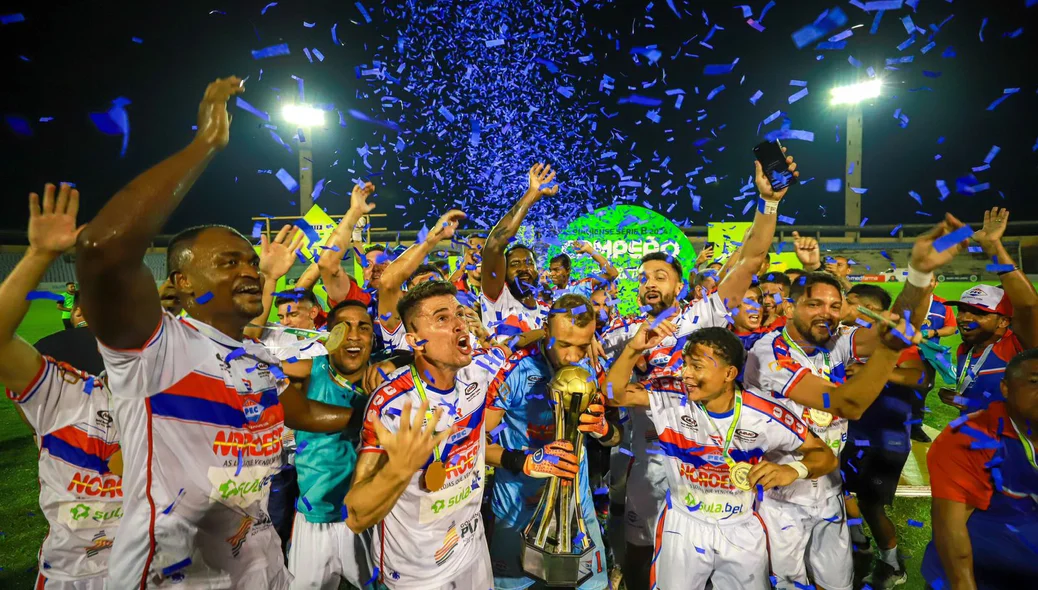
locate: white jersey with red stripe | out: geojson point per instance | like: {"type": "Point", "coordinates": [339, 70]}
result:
{"type": "Point", "coordinates": [81, 498]}
{"type": "Point", "coordinates": [393, 340]}
{"type": "Point", "coordinates": [201, 429]}
{"type": "Point", "coordinates": [692, 440]}
{"type": "Point", "coordinates": [773, 369]}
{"type": "Point", "coordinates": [506, 315]}
{"type": "Point", "coordinates": [431, 537]}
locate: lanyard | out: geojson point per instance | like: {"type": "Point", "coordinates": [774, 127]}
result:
{"type": "Point", "coordinates": [966, 375]}
{"type": "Point", "coordinates": [1027, 444]}
{"type": "Point", "coordinates": [825, 353]}
{"type": "Point", "coordinates": [736, 412]}
{"type": "Point", "coordinates": [339, 379]}
{"type": "Point", "coordinates": [420, 388]}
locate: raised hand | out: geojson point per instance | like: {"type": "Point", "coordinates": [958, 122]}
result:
{"type": "Point", "coordinates": [806, 249]}
{"type": "Point", "coordinates": [277, 257]}
{"type": "Point", "coordinates": [445, 226]}
{"type": "Point", "coordinates": [898, 336]}
{"type": "Point", "coordinates": [650, 337]}
{"type": "Point", "coordinates": [583, 247]}
{"type": "Point", "coordinates": [995, 222]}
{"type": "Point", "coordinates": [413, 443]}
{"type": "Point", "coordinates": [555, 459]}
{"type": "Point", "coordinates": [359, 197]}
{"type": "Point", "coordinates": [541, 176]}
{"type": "Point", "coordinates": [52, 224]}
{"type": "Point", "coordinates": [214, 122]}
{"type": "Point", "coordinates": [705, 254]}
{"type": "Point", "coordinates": [764, 185]}
{"type": "Point", "coordinates": [925, 258]}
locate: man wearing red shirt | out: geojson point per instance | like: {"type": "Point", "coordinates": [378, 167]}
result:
{"type": "Point", "coordinates": [984, 482]}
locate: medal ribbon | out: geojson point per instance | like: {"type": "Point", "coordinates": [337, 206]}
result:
{"type": "Point", "coordinates": [825, 354]}
{"type": "Point", "coordinates": [736, 412]}
{"type": "Point", "coordinates": [1027, 444]}
{"type": "Point", "coordinates": [964, 380]}
{"type": "Point", "coordinates": [419, 387]}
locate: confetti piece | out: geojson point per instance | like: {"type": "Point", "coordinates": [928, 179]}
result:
{"type": "Point", "coordinates": [947, 241]}
{"type": "Point", "coordinates": [833, 185]}
{"type": "Point", "coordinates": [241, 104]}
{"type": "Point", "coordinates": [915, 523]}
{"type": "Point", "coordinates": [204, 298]}
{"type": "Point", "coordinates": [826, 22]}
{"type": "Point", "coordinates": [756, 96]}
{"type": "Point", "coordinates": [306, 503]}
{"type": "Point", "coordinates": [288, 180]}
{"type": "Point", "coordinates": [797, 96]}
{"type": "Point", "coordinates": [176, 567]}
{"type": "Point", "coordinates": [267, 7]}
{"type": "Point", "coordinates": [37, 295]}
{"type": "Point", "coordinates": [10, 19]}
{"type": "Point", "coordinates": [272, 51]}
{"type": "Point", "coordinates": [363, 12]}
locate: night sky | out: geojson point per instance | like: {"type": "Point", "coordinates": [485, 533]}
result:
{"type": "Point", "coordinates": [536, 94]}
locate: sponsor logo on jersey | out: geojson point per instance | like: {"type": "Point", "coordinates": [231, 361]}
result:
{"type": "Point", "coordinates": [534, 379]}
{"type": "Point", "coordinates": [90, 484]}
{"type": "Point", "coordinates": [459, 498]}
{"type": "Point", "coordinates": [461, 460]}
{"type": "Point", "coordinates": [104, 419]}
{"type": "Point", "coordinates": [688, 422]}
{"type": "Point", "coordinates": [238, 538]}
{"type": "Point", "coordinates": [746, 435]}
{"type": "Point", "coordinates": [707, 476]}
{"type": "Point", "coordinates": [471, 391]}
{"type": "Point", "coordinates": [82, 515]}
{"type": "Point", "coordinates": [459, 435]}
{"type": "Point", "coordinates": [100, 543]}
{"type": "Point", "coordinates": [446, 550]}
{"type": "Point", "coordinates": [232, 442]}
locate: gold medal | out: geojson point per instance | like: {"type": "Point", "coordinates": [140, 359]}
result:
{"type": "Point", "coordinates": [820, 418]}
{"type": "Point", "coordinates": [435, 476]}
{"type": "Point", "coordinates": [740, 475]}
{"type": "Point", "coordinates": [335, 338]}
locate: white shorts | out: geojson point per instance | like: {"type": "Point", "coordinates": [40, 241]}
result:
{"type": "Point", "coordinates": [809, 538]}
{"type": "Point", "coordinates": [646, 495]}
{"type": "Point", "coordinates": [478, 576]}
{"type": "Point", "coordinates": [691, 552]}
{"type": "Point", "coordinates": [322, 553]}
{"type": "Point", "coordinates": [94, 583]}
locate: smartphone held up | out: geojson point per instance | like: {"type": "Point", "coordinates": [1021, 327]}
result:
{"type": "Point", "coordinates": [773, 162]}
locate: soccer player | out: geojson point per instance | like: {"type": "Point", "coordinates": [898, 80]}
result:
{"type": "Point", "coordinates": [984, 480]}
{"type": "Point", "coordinates": [419, 477]}
{"type": "Point", "coordinates": [801, 366]}
{"type": "Point", "coordinates": [560, 272]}
{"type": "Point", "coordinates": [719, 443]}
{"type": "Point", "coordinates": [658, 290]}
{"type": "Point", "coordinates": [467, 278]}
{"type": "Point", "coordinates": [775, 287]}
{"type": "Point", "coordinates": [879, 444]}
{"type": "Point", "coordinates": [323, 548]}
{"type": "Point", "coordinates": [520, 398]}
{"type": "Point", "coordinates": [704, 284]}
{"type": "Point", "coordinates": [375, 260]}
{"type": "Point", "coordinates": [746, 319]}
{"type": "Point", "coordinates": [996, 323]}
{"type": "Point", "coordinates": [65, 306]}
{"type": "Point", "coordinates": [69, 413]}
{"type": "Point", "coordinates": [509, 277]}
{"type": "Point", "coordinates": [408, 268]}
{"type": "Point", "coordinates": [601, 304]}
{"type": "Point", "coordinates": [199, 409]}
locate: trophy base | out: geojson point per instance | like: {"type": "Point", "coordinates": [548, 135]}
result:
{"type": "Point", "coordinates": [553, 569]}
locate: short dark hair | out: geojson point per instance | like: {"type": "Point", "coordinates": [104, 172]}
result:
{"type": "Point", "coordinates": [180, 244]}
{"type": "Point", "coordinates": [664, 257]}
{"type": "Point", "coordinates": [722, 340]}
{"type": "Point", "coordinates": [517, 246]}
{"type": "Point", "coordinates": [296, 296]}
{"type": "Point", "coordinates": [374, 248]}
{"type": "Point", "coordinates": [333, 315]}
{"type": "Point", "coordinates": [777, 278]}
{"type": "Point", "coordinates": [794, 273]}
{"type": "Point", "coordinates": [73, 283]}
{"type": "Point", "coordinates": [575, 306]}
{"type": "Point", "coordinates": [409, 303]}
{"type": "Point", "coordinates": [874, 292]}
{"type": "Point", "coordinates": [803, 284]}
{"type": "Point", "coordinates": [1014, 367]}
{"type": "Point", "coordinates": [702, 276]}
{"type": "Point", "coordinates": [564, 260]}
{"type": "Point", "coordinates": [427, 268]}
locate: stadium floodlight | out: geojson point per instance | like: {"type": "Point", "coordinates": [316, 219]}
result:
{"type": "Point", "coordinates": [303, 115]}
{"type": "Point", "coordinates": [856, 93]}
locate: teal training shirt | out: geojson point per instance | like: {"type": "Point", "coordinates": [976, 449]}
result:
{"type": "Point", "coordinates": [325, 462]}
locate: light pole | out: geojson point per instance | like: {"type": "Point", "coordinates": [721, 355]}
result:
{"type": "Point", "coordinates": [305, 118]}
{"type": "Point", "coordinates": [852, 96]}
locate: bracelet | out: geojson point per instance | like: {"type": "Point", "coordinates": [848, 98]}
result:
{"type": "Point", "coordinates": [800, 468]}
{"type": "Point", "coordinates": [919, 279]}
{"type": "Point", "coordinates": [1005, 272]}
{"type": "Point", "coordinates": [767, 207]}
{"type": "Point", "coordinates": [513, 461]}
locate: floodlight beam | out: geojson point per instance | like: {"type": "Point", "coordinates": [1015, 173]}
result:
{"type": "Point", "coordinates": [856, 93]}
{"type": "Point", "coordinates": [303, 115]}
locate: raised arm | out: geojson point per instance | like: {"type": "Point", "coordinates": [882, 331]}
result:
{"type": "Point", "coordinates": [336, 279]}
{"type": "Point", "coordinates": [118, 291]}
{"type": "Point", "coordinates": [619, 391]}
{"type": "Point", "coordinates": [806, 249]}
{"type": "Point", "coordinates": [609, 272]}
{"type": "Point", "coordinates": [493, 264]}
{"type": "Point", "coordinates": [52, 230]}
{"type": "Point", "coordinates": [276, 259]}
{"type": "Point", "coordinates": [390, 287]}
{"type": "Point", "coordinates": [1017, 286]}
{"type": "Point", "coordinates": [757, 240]}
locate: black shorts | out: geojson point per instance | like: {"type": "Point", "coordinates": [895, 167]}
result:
{"type": "Point", "coordinates": [873, 476]}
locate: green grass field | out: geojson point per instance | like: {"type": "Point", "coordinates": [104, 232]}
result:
{"type": "Point", "coordinates": [22, 527]}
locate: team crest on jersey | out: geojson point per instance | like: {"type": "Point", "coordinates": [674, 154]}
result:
{"type": "Point", "coordinates": [471, 391]}
{"type": "Point", "coordinates": [238, 538]}
{"type": "Point", "coordinates": [100, 543]}
{"type": "Point", "coordinates": [252, 410]}
{"type": "Point", "coordinates": [103, 419]}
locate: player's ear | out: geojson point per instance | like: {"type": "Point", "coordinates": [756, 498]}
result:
{"type": "Point", "coordinates": [181, 283]}
{"type": "Point", "coordinates": [414, 342]}
{"type": "Point", "coordinates": [731, 373]}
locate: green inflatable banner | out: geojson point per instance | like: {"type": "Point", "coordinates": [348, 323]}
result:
{"type": "Point", "coordinates": [623, 234]}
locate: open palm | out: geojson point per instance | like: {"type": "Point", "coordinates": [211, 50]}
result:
{"type": "Point", "coordinates": [278, 256]}
{"type": "Point", "coordinates": [52, 223]}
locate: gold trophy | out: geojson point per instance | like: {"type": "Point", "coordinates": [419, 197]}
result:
{"type": "Point", "coordinates": [556, 540]}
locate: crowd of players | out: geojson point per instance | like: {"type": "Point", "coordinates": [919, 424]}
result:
{"type": "Point", "coordinates": [747, 422]}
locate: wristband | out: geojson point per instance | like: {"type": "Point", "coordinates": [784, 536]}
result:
{"type": "Point", "coordinates": [919, 279]}
{"type": "Point", "coordinates": [1005, 272]}
{"type": "Point", "coordinates": [767, 207]}
{"type": "Point", "coordinates": [513, 461]}
{"type": "Point", "coordinates": [800, 468]}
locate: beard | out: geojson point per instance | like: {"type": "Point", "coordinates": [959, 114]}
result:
{"type": "Point", "coordinates": [659, 306]}
{"type": "Point", "coordinates": [521, 288]}
{"type": "Point", "coordinates": [809, 336]}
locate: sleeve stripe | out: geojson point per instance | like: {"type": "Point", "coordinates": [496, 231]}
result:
{"type": "Point", "coordinates": [148, 344]}
{"type": "Point", "coordinates": [797, 377]}
{"type": "Point", "coordinates": [34, 385]}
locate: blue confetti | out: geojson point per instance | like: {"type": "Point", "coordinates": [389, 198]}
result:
{"type": "Point", "coordinates": [204, 298]}
{"type": "Point", "coordinates": [272, 51]}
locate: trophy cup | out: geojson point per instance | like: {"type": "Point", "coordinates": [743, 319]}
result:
{"type": "Point", "coordinates": [556, 540]}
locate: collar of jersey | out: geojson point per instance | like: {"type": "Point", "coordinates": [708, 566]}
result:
{"type": "Point", "coordinates": [727, 414]}
{"type": "Point", "coordinates": [429, 387]}
{"type": "Point", "coordinates": [212, 333]}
